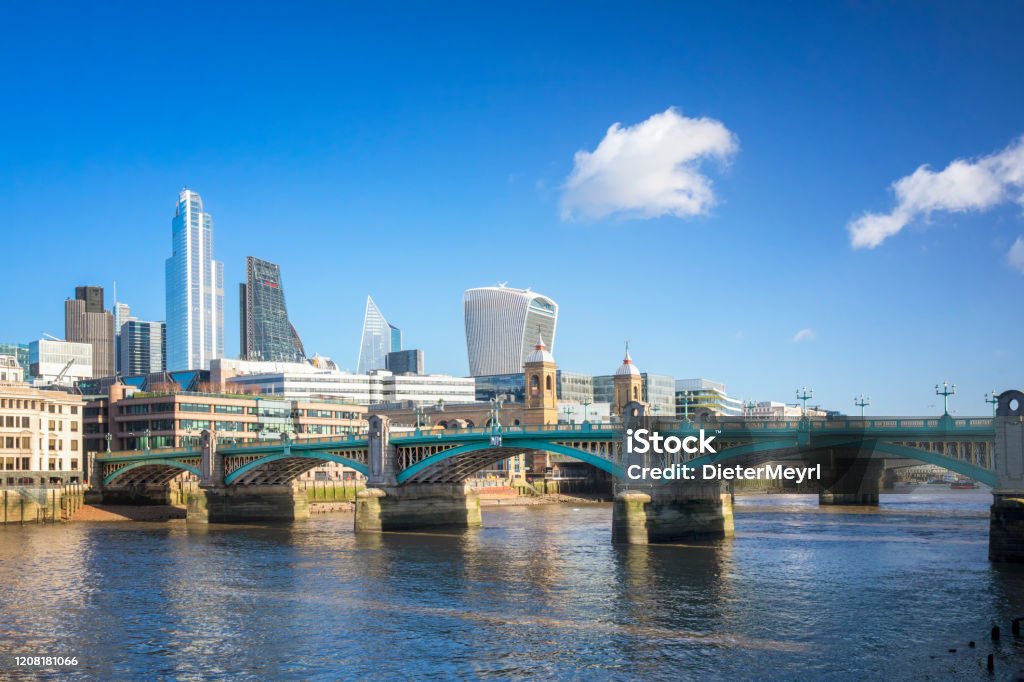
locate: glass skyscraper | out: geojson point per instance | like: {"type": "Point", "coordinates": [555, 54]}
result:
{"type": "Point", "coordinates": [194, 289]}
{"type": "Point", "coordinates": [266, 333]}
{"type": "Point", "coordinates": [142, 347]}
{"type": "Point", "coordinates": [502, 326]}
{"type": "Point", "coordinates": [379, 338]}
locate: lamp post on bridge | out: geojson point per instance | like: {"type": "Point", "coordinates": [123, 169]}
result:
{"type": "Point", "coordinates": [945, 392]}
{"type": "Point", "coordinates": [803, 395]}
{"type": "Point", "coordinates": [751, 406]}
{"type": "Point", "coordinates": [586, 404]}
{"type": "Point", "coordinates": [991, 399]}
{"type": "Point", "coordinates": [861, 402]}
{"type": "Point", "coordinates": [686, 405]}
{"type": "Point", "coordinates": [496, 420]}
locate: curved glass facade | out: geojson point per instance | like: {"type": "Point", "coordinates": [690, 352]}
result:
{"type": "Point", "coordinates": [502, 326]}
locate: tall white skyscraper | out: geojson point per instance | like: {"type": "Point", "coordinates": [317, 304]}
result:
{"type": "Point", "coordinates": [194, 289]}
{"type": "Point", "coordinates": [379, 338]}
{"type": "Point", "coordinates": [502, 326]}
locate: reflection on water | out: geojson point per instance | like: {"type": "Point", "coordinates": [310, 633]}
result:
{"type": "Point", "coordinates": [538, 592]}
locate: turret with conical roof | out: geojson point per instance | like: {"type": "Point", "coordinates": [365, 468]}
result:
{"type": "Point", "coordinates": [540, 373]}
{"type": "Point", "coordinates": [628, 383]}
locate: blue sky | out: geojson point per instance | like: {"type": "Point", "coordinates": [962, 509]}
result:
{"type": "Point", "coordinates": [412, 152]}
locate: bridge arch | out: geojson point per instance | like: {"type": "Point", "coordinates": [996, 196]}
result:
{"type": "Point", "coordinates": [292, 464]}
{"type": "Point", "coordinates": [483, 452]}
{"type": "Point", "coordinates": [168, 466]}
{"type": "Point", "coordinates": [764, 449]}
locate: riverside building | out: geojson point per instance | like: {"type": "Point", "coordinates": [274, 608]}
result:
{"type": "Point", "coordinates": [40, 431]}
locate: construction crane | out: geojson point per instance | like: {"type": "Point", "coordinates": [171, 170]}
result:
{"type": "Point", "coordinates": [63, 372]}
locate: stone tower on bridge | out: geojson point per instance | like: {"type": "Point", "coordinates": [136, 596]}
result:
{"type": "Point", "coordinates": [541, 374]}
{"type": "Point", "coordinates": [628, 385]}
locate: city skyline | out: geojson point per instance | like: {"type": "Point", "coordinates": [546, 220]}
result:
{"type": "Point", "coordinates": [786, 261]}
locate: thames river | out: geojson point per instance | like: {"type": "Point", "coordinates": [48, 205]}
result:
{"type": "Point", "coordinates": [539, 592]}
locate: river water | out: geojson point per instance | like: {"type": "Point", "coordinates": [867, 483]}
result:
{"type": "Point", "coordinates": [539, 592]}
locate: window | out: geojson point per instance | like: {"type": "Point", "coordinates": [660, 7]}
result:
{"type": "Point", "coordinates": [194, 407]}
{"type": "Point", "coordinates": [74, 445]}
{"type": "Point", "coordinates": [547, 383]}
{"type": "Point", "coordinates": [228, 409]}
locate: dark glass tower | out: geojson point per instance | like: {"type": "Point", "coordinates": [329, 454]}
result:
{"type": "Point", "coordinates": [266, 333]}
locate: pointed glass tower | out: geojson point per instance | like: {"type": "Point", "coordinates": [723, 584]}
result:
{"type": "Point", "coordinates": [379, 338]}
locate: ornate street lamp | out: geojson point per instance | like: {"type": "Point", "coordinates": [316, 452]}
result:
{"type": "Point", "coordinates": [945, 392]}
{"type": "Point", "coordinates": [803, 395]}
{"type": "Point", "coordinates": [861, 402]}
{"type": "Point", "coordinates": [993, 400]}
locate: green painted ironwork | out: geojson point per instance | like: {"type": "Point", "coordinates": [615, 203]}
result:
{"type": "Point", "coordinates": [172, 463]}
{"type": "Point", "coordinates": [322, 456]}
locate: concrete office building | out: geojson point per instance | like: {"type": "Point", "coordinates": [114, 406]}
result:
{"type": "Point", "coordinates": [143, 347]}
{"type": "Point", "coordinates": [502, 326]}
{"type": "Point", "coordinates": [265, 330]}
{"type": "Point", "coordinates": [85, 321]}
{"type": "Point", "coordinates": [194, 289]}
{"type": "Point", "coordinates": [50, 360]}
{"type": "Point", "coordinates": [305, 380]}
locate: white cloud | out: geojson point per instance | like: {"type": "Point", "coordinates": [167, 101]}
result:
{"type": "Point", "coordinates": [648, 170]}
{"type": "Point", "coordinates": [803, 335]}
{"type": "Point", "coordinates": [960, 186]}
{"type": "Point", "coordinates": [1016, 254]}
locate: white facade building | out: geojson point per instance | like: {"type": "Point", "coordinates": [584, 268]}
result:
{"type": "Point", "coordinates": [10, 371]}
{"type": "Point", "coordinates": [502, 326]}
{"type": "Point", "coordinates": [49, 357]}
{"type": "Point", "coordinates": [304, 380]}
{"type": "Point", "coordinates": [194, 289]}
{"type": "Point", "coordinates": [694, 396]}
{"type": "Point", "coordinates": [40, 435]}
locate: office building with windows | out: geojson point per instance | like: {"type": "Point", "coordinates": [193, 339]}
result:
{"type": "Point", "coordinates": [59, 362]}
{"type": "Point", "coordinates": [659, 393]}
{"type": "Point", "coordinates": [20, 352]}
{"type": "Point", "coordinates": [265, 331]}
{"type": "Point", "coordinates": [143, 347]}
{"type": "Point", "coordinates": [405, 361]}
{"type": "Point", "coordinates": [696, 396]}
{"type": "Point", "coordinates": [379, 338]}
{"type": "Point", "coordinates": [502, 326]}
{"type": "Point", "coordinates": [122, 313]}
{"type": "Point", "coordinates": [194, 288]}
{"type": "Point", "coordinates": [40, 436]}
{"type": "Point", "coordinates": [305, 380]}
{"type": "Point", "coordinates": [85, 321]}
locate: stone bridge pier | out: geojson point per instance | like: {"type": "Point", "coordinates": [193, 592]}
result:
{"type": "Point", "coordinates": [848, 477]}
{"type": "Point", "coordinates": [387, 506]}
{"type": "Point", "coordinates": [216, 502]}
{"type": "Point", "coordinates": [649, 512]}
{"type": "Point", "coordinates": [1006, 520]}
